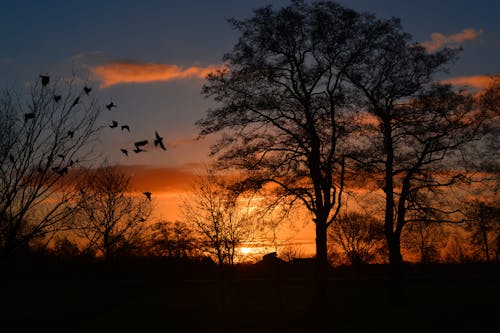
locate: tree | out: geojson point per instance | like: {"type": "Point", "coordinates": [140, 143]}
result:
{"type": "Point", "coordinates": [172, 240]}
{"type": "Point", "coordinates": [359, 237]}
{"type": "Point", "coordinates": [110, 216]}
{"type": "Point", "coordinates": [419, 130]}
{"type": "Point", "coordinates": [484, 229]}
{"type": "Point", "coordinates": [283, 109]}
{"type": "Point", "coordinates": [222, 218]}
{"type": "Point", "coordinates": [425, 239]}
{"type": "Point", "coordinates": [42, 137]}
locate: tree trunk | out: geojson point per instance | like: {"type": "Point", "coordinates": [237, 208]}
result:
{"type": "Point", "coordinates": [320, 292]}
{"type": "Point", "coordinates": [321, 243]}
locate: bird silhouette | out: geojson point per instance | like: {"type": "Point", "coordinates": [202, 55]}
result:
{"type": "Point", "coordinates": [137, 150]}
{"type": "Point", "coordinates": [142, 219]}
{"type": "Point", "coordinates": [11, 158]}
{"type": "Point", "coordinates": [70, 134]}
{"type": "Point", "coordinates": [57, 98]}
{"type": "Point", "coordinates": [159, 141]}
{"type": "Point", "coordinates": [124, 151]}
{"type": "Point", "coordinates": [141, 143]}
{"type": "Point", "coordinates": [76, 101]}
{"type": "Point", "coordinates": [148, 195]}
{"type": "Point", "coordinates": [114, 124]}
{"type": "Point", "coordinates": [45, 80]}
{"type": "Point", "coordinates": [125, 127]}
{"type": "Point", "coordinates": [87, 90]}
{"type": "Point", "coordinates": [110, 106]}
{"type": "Point", "coordinates": [61, 156]}
{"type": "Point", "coordinates": [28, 116]}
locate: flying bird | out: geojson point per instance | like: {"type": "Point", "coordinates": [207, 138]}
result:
{"type": "Point", "coordinates": [70, 134]}
{"type": "Point", "coordinates": [159, 141]}
{"type": "Point", "coordinates": [148, 195]}
{"type": "Point", "coordinates": [87, 90]}
{"type": "Point", "coordinates": [28, 116]}
{"type": "Point", "coordinates": [124, 151]}
{"type": "Point", "coordinates": [76, 101]}
{"type": "Point", "coordinates": [142, 219]}
{"type": "Point", "coordinates": [125, 127]}
{"type": "Point", "coordinates": [114, 124]}
{"type": "Point", "coordinates": [137, 150]}
{"type": "Point", "coordinates": [141, 143]}
{"type": "Point", "coordinates": [45, 80]}
{"type": "Point", "coordinates": [57, 98]}
{"type": "Point", "coordinates": [110, 106]}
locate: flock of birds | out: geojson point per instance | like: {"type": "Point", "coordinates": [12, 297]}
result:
{"type": "Point", "coordinates": [157, 141]}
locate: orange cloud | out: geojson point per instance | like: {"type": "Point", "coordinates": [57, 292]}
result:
{"type": "Point", "coordinates": [439, 40]}
{"type": "Point", "coordinates": [480, 82]}
{"type": "Point", "coordinates": [133, 72]}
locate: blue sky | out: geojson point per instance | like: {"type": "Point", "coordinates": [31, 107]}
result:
{"type": "Point", "coordinates": [57, 37]}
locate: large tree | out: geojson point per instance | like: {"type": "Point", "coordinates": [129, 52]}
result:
{"type": "Point", "coordinates": [282, 107]}
{"type": "Point", "coordinates": [420, 130]}
{"type": "Point", "coordinates": [44, 134]}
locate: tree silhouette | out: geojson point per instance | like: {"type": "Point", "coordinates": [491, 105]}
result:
{"type": "Point", "coordinates": [483, 229]}
{"type": "Point", "coordinates": [419, 130]}
{"type": "Point", "coordinates": [110, 217]}
{"type": "Point", "coordinates": [222, 219]}
{"type": "Point", "coordinates": [36, 183]}
{"type": "Point", "coordinates": [359, 237]}
{"type": "Point", "coordinates": [173, 240]}
{"type": "Point", "coordinates": [283, 108]}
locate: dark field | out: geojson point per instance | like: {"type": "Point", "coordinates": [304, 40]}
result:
{"type": "Point", "coordinates": [156, 296]}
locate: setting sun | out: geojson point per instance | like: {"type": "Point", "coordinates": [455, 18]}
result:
{"type": "Point", "coordinates": [245, 250]}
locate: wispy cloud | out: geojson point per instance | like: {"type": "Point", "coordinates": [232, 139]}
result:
{"type": "Point", "coordinates": [117, 72]}
{"type": "Point", "coordinates": [480, 82]}
{"type": "Point", "coordinates": [439, 40]}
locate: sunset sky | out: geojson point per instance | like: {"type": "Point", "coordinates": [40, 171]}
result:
{"type": "Point", "coordinates": [150, 57]}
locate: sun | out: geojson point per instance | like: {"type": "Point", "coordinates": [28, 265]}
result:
{"type": "Point", "coordinates": [245, 250]}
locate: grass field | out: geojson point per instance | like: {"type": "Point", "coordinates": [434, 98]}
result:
{"type": "Point", "coordinates": [152, 297]}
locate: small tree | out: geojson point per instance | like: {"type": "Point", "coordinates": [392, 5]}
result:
{"type": "Point", "coordinates": [360, 237]}
{"type": "Point", "coordinates": [172, 240]}
{"type": "Point", "coordinates": [42, 137]}
{"type": "Point", "coordinates": [222, 218]}
{"type": "Point", "coordinates": [483, 228]}
{"type": "Point", "coordinates": [110, 216]}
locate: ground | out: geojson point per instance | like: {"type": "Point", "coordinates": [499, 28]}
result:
{"type": "Point", "coordinates": [158, 297]}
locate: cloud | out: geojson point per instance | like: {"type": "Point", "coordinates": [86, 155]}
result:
{"type": "Point", "coordinates": [117, 72]}
{"type": "Point", "coordinates": [439, 40]}
{"type": "Point", "coordinates": [480, 82]}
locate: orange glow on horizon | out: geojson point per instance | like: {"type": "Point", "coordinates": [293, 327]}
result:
{"type": "Point", "coordinates": [118, 72]}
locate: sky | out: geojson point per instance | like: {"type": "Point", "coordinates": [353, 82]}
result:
{"type": "Point", "coordinates": [150, 57]}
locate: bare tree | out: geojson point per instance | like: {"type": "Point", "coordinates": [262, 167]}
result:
{"type": "Point", "coordinates": [42, 137]}
{"type": "Point", "coordinates": [426, 239]}
{"type": "Point", "coordinates": [483, 228]}
{"type": "Point", "coordinates": [172, 239]}
{"type": "Point", "coordinates": [223, 219]}
{"type": "Point", "coordinates": [360, 237]}
{"type": "Point", "coordinates": [283, 110]}
{"type": "Point", "coordinates": [419, 130]}
{"type": "Point", "coordinates": [110, 215]}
